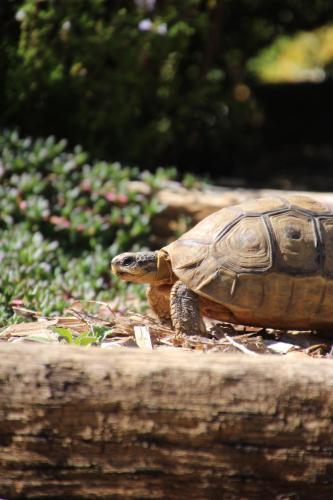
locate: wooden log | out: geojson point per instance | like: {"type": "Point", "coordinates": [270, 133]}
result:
{"type": "Point", "coordinates": [86, 423]}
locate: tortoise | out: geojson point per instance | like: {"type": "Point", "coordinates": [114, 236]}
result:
{"type": "Point", "coordinates": [266, 262]}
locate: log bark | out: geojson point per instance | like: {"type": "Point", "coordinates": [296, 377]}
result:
{"type": "Point", "coordinates": [195, 204]}
{"type": "Point", "coordinates": [85, 423]}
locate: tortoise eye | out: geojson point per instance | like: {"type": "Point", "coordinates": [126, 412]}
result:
{"type": "Point", "coordinates": [128, 261]}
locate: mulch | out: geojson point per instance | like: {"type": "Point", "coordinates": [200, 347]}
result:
{"type": "Point", "coordinates": [123, 328]}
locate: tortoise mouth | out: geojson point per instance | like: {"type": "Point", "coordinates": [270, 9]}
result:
{"type": "Point", "coordinates": [125, 275]}
{"type": "Point", "coordinates": [115, 270]}
{"type": "Point", "coordinates": [120, 272]}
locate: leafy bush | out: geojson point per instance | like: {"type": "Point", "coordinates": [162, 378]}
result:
{"type": "Point", "coordinates": [145, 82]}
{"type": "Point", "coordinates": [63, 219]}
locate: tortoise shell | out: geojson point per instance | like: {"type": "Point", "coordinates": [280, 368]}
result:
{"type": "Point", "coordinates": [268, 262]}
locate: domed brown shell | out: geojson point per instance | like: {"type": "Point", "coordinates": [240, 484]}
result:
{"type": "Point", "coordinates": [268, 261]}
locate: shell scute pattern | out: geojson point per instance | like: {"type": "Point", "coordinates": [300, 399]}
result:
{"type": "Point", "coordinates": [268, 261]}
{"type": "Point", "coordinates": [326, 232]}
{"type": "Point", "coordinates": [264, 234]}
{"type": "Point", "coordinates": [297, 250]}
{"type": "Point", "coordinates": [246, 247]}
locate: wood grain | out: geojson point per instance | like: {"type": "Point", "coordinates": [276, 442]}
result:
{"type": "Point", "coordinates": [85, 423]}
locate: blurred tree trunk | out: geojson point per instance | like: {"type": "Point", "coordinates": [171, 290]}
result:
{"type": "Point", "coordinates": [85, 423]}
{"type": "Point", "coordinates": [214, 36]}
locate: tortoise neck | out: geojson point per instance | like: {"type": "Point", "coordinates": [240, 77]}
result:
{"type": "Point", "coordinates": [164, 274]}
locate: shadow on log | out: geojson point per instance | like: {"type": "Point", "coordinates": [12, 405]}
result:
{"type": "Point", "coordinates": [86, 423]}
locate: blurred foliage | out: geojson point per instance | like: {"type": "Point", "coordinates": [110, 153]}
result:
{"type": "Point", "coordinates": [307, 56]}
{"type": "Point", "coordinates": [63, 219]}
{"type": "Point", "coordinates": [147, 82]}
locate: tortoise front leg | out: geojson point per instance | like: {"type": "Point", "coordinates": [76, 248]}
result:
{"type": "Point", "coordinates": [185, 312]}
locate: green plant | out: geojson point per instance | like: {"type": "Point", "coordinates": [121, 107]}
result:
{"type": "Point", "coordinates": [83, 340]}
{"type": "Point", "coordinates": [63, 219]}
{"type": "Point", "coordinates": [306, 56]}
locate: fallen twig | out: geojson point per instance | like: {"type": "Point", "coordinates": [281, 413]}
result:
{"type": "Point", "coordinates": [241, 347]}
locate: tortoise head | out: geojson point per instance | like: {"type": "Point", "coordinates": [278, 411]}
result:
{"type": "Point", "coordinates": [140, 267]}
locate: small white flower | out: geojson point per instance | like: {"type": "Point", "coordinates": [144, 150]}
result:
{"type": "Point", "coordinates": [145, 25]}
{"type": "Point", "coordinates": [20, 15]}
{"type": "Point", "coordinates": [162, 29]}
{"type": "Point", "coordinates": [66, 25]}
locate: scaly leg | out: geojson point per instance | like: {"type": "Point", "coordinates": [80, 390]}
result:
{"type": "Point", "coordinates": [185, 312]}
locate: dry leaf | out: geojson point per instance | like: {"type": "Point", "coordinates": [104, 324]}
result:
{"type": "Point", "coordinates": [25, 329]}
{"type": "Point", "coordinates": [280, 347]}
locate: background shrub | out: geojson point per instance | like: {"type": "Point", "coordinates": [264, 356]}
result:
{"type": "Point", "coordinates": [62, 220]}
{"type": "Point", "coordinates": [146, 82]}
